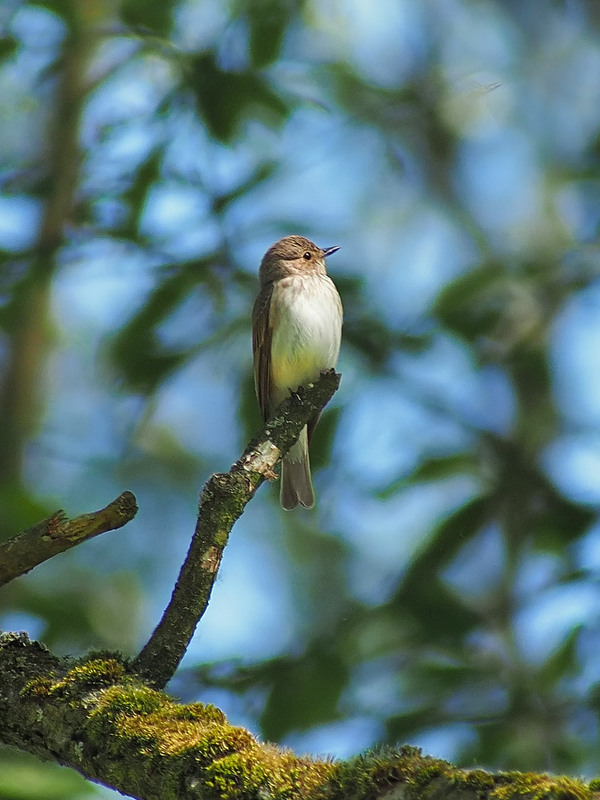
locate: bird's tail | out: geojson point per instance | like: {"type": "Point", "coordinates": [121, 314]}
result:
{"type": "Point", "coordinates": [296, 483]}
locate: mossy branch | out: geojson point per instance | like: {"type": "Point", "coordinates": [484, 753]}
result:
{"type": "Point", "coordinates": [94, 716]}
{"type": "Point", "coordinates": [222, 502]}
{"type": "Point", "coordinates": [56, 534]}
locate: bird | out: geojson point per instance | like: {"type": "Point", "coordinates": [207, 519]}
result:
{"type": "Point", "coordinates": [296, 333]}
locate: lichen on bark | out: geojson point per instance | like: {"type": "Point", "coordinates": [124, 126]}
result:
{"type": "Point", "coordinates": [98, 717]}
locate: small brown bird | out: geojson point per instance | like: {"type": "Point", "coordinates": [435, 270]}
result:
{"type": "Point", "coordinates": [296, 333]}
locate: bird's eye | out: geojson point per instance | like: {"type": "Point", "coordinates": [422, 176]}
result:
{"type": "Point", "coordinates": [307, 256]}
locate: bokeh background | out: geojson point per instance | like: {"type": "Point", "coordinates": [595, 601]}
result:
{"type": "Point", "coordinates": [446, 590]}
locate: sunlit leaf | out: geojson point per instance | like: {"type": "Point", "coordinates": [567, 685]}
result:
{"type": "Point", "coordinates": [434, 469]}
{"type": "Point", "coordinates": [305, 692]}
{"type": "Point", "coordinates": [226, 99]}
{"type": "Point", "coordinates": [137, 350]}
{"type": "Point", "coordinates": [268, 21]}
{"type": "Point", "coordinates": [156, 17]}
{"type": "Point", "coordinates": [8, 45]}
{"type": "Point", "coordinates": [471, 305]}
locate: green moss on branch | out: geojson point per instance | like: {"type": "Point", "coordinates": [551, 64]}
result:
{"type": "Point", "coordinates": [96, 716]}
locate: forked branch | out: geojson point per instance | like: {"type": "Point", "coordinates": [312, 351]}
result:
{"type": "Point", "coordinates": [222, 502]}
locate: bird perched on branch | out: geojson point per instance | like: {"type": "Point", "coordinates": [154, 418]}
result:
{"type": "Point", "coordinates": [296, 333]}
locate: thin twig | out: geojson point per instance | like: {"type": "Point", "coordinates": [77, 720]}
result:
{"type": "Point", "coordinates": [222, 502]}
{"type": "Point", "coordinates": [58, 533]}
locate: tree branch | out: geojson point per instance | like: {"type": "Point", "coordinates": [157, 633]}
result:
{"type": "Point", "coordinates": [57, 533]}
{"type": "Point", "coordinates": [222, 502]}
{"type": "Point", "coordinates": [96, 717]}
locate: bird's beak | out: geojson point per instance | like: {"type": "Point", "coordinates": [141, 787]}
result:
{"type": "Point", "coordinates": [330, 250]}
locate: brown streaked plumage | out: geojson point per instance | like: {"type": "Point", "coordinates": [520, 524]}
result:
{"type": "Point", "coordinates": [296, 331]}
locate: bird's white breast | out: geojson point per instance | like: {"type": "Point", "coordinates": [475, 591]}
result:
{"type": "Point", "coordinates": [306, 315]}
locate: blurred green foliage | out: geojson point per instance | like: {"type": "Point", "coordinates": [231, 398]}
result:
{"type": "Point", "coordinates": [445, 593]}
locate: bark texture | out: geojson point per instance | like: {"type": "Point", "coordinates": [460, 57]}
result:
{"type": "Point", "coordinates": [96, 716]}
{"type": "Point", "coordinates": [222, 502]}
{"type": "Point", "coordinates": [58, 533]}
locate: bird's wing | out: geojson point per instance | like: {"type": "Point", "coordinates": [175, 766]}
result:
{"type": "Point", "coordinates": [262, 332]}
